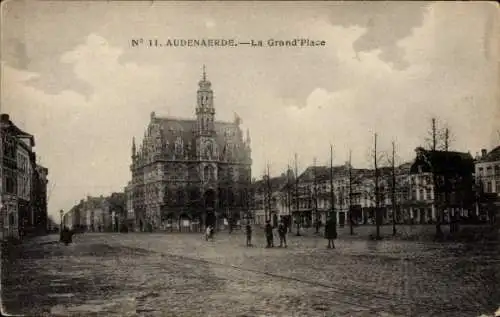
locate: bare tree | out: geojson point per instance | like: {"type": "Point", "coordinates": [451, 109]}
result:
{"type": "Point", "coordinates": [445, 138]}
{"type": "Point", "coordinates": [267, 200]}
{"type": "Point", "coordinates": [351, 227]}
{"type": "Point", "coordinates": [439, 212]}
{"type": "Point", "coordinates": [393, 189]}
{"type": "Point", "coordinates": [332, 195]}
{"type": "Point", "coordinates": [432, 139]}
{"type": "Point", "coordinates": [289, 186]}
{"type": "Point", "coordinates": [315, 192]}
{"type": "Point", "coordinates": [297, 196]}
{"type": "Point", "coordinates": [377, 194]}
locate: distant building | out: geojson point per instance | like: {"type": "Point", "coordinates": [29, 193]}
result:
{"type": "Point", "coordinates": [189, 172]}
{"type": "Point", "coordinates": [39, 185]}
{"type": "Point", "coordinates": [487, 168]}
{"type": "Point", "coordinates": [266, 196]}
{"type": "Point", "coordinates": [131, 217]}
{"type": "Point", "coordinates": [92, 215]}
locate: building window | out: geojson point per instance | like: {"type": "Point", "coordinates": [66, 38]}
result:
{"type": "Point", "coordinates": [208, 173]}
{"type": "Point", "coordinates": [180, 197]}
{"type": "Point", "coordinates": [489, 187]}
{"type": "Point", "coordinates": [497, 183]}
{"type": "Point", "coordinates": [10, 182]}
{"type": "Point", "coordinates": [497, 169]}
{"type": "Point", "coordinates": [481, 171]}
{"type": "Point", "coordinates": [179, 146]}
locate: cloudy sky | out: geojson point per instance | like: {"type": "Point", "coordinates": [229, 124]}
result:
{"type": "Point", "coordinates": [71, 78]}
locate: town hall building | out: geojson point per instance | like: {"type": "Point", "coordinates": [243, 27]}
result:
{"type": "Point", "coordinates": [191, 171]}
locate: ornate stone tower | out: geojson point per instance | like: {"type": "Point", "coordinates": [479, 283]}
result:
{"type": "Point", "coordinates": [205, 111]}
{"type": "Point", "coordinates": [207, 147]}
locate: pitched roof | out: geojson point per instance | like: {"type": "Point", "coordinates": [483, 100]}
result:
{"type": "Point", "coordinates": [492, 156]}
{"type": "Point", "coordinates": [276, 183]}
{"type": "Point", "coordinates": [172, 128]}
{"type": "Point", "coordinates": [442, 162]}
{"type": "Point", "coordinates": [322, 173]}
{"type": "Point", "coordinates": [11, 128]}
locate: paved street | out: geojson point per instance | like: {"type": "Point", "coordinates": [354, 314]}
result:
{"type": "Point", "coordinates": [140, 274]}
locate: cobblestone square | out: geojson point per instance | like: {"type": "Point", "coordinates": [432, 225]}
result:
{"type": "Point", "coordinates": [183, 275]}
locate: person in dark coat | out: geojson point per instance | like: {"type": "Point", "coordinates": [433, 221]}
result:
{"type": "Point", "coordinates": [282, 233]}
{"type": "Point", "coordinates": [331, 232]}
{"type": "Point", "coordinates": [248, 231]}
{"type": "Point", "coordinates": [67, 236]}
{"type": "Point", "coordinates": [269, 234]}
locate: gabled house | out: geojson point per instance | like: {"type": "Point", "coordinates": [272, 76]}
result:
{"type": "Point", "coordinates": [441, 185]}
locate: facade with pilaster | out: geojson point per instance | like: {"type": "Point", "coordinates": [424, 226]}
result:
{"type": "Point", "coordinates": [191, 172]}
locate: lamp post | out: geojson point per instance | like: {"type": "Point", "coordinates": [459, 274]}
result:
{"type": "Point", "coordinates": [61, 212]}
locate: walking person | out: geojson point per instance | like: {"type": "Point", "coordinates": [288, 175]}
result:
{"type": "Point", "coordinates": [269, 234]}
{"type": "Point", "coordinates": [248, 231]}
{"type": "Point", "coordinates": [209, 233]}
{"type": "Point", "coordinates": [282, 233]}
{"type": "Point", "coordinates": [331, 232]}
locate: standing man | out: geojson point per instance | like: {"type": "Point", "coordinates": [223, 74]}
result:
{"type": "Point", "coordinates": [331, 232]}
{"type": "Point", "coordinates": [282, 233]}
{"type": "Point", "coordinates": [248, 231]}
{"type": "Point", "coordinates": [269, 234]}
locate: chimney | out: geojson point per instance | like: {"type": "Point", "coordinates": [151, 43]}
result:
{"type": "Point", "coordinates": [419, 151]}
{"type": "Point", "coordinates": [483, 153]}
{"type": "Point", "coordinates": [4, 117]}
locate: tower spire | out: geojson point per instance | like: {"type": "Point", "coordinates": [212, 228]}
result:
{"type": "Point", "coordinates": [205, 111]}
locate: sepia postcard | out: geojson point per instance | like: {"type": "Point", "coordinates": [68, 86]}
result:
{"type": "Point", "coordinates": [250, 158]}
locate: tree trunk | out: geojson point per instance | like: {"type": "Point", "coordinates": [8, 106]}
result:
{"type": "Point", "coordinates": [350, 222]}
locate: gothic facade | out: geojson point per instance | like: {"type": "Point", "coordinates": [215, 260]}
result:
{"type": "Point", "coordinates": [195, 169]}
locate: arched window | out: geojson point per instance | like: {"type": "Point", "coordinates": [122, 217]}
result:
{"type": "Point", "coordinates": [168, 198]}
{"type": "Point", "coordinates": [179, 145]}
{"type": "Point", "coordinates": [207, 173]}
{"type": "Point", "coordinates": [210, 149]}
{"type": "Point", "coordinates": [180, 197]}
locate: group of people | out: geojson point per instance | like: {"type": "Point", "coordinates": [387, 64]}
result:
{"type": "Point", "coordinates": [282, 229]}
{"type": "Point", "coordinates": [330, 233]}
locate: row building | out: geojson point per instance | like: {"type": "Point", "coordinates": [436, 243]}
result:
{"type": "Point", "coordinates": [435, 186]}
{"type": "Point", "coordinates": [23, 192]}
{"type": "Point", "coordinates": [97, 214]}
